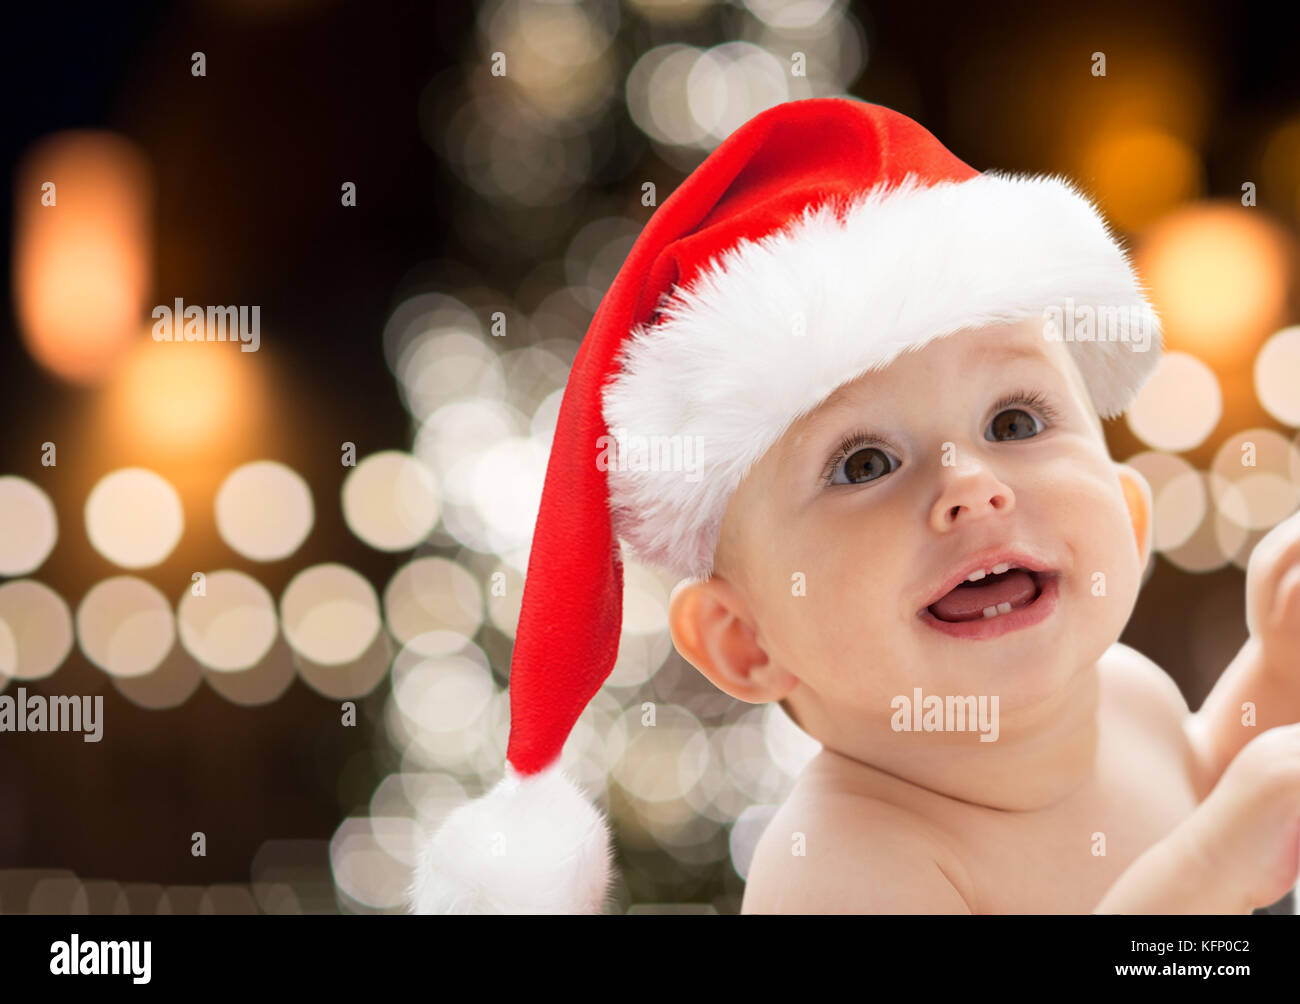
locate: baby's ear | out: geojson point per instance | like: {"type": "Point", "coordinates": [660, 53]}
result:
{"type": "Point", "coordinates": [713, 629]}
{"type": "Point", "coordinates": [1141, 508]}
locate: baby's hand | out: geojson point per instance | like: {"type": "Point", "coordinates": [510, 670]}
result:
{"type": "Point", "coordinates": [1273, 598]}
{"type": "Point", "coordinates": [1247, 832]}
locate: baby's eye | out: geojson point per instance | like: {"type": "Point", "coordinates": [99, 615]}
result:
{"type": "Point", "coordinates": [862, 466]}
{"type": "Point", "coordinates": [1013, 423]}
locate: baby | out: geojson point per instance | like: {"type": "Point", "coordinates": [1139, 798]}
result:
{"type": "Point", "coordinates": [976, 455]}
{"type": "Point", "coordinates": [856, 389]}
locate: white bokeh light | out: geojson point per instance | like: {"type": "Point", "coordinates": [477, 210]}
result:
{"type": "Point", "coordinates": [28, 527]}
{"type": "Point", "coordinates": [432, 595]}
{"type": "Point", "coordinates": [1178, 497]}
{"type": "Point", "coordinates": [125, 626]}
{"type": "Point", "coordinates": [330, 614]}
{"type": "Point", "coordinates": [390, 500]}
{"type": "Point", "coordinates": [35, 630]}
{"type": "Point", "coordinates": [731, 83]}
{"type": "Point", "coordinates": [1257, 463]}
{"type": "Point", "coordinates": [507, 490]}
{"type": "Point", "coordinates": [264, 511]}
{"type": "Point", "coordinates": [231, 624]}
{"type": "Point", "coordinates": [1179, 406]}
{"type": "Point", "coordinates": [134, 518]}
{"type": "Point", "coordinates": [1277, 376]}
{"type": "Point", "coordinates": [439, 367]}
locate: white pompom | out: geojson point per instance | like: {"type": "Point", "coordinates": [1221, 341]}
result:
{"type": "Point", "coordinates": [531, 845]}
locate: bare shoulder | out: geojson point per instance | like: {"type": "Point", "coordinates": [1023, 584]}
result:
{"type": "Point", "coordinates": [835, 851]}
{"type": "Point", "coordinates": [1150, 709]}
{"type": "Point", "coordinates": [1140, 685]}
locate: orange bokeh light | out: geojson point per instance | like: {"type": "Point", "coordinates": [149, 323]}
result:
{"type": "Point", "coordinates": [82, 251]}
{"type": "Point", "coordinates": [193, 399]}
{"type": "Point", "coordinates": [1139, 174]}
{"type": "Point", "coordinates": [1217, 275]}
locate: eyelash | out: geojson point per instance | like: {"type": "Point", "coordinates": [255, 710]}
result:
{"type": "Point", "coordinates": [1035, 400]}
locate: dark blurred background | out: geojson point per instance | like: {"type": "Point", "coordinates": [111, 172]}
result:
{"type": "Point", "coordinates": [430, 325]}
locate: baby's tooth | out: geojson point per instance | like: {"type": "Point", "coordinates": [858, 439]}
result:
{"type": "Point", "coordinates": [976, 576]}
{"type": "Point", "coordinates": [1004, 608]}
{"type": "Point", "coordinates": [990, 612]}
{"type": "Point", "coordinates": [1000, 567]}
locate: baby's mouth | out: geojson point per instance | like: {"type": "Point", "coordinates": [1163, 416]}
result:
{"type": "Point", "coordinates": [989, 597]}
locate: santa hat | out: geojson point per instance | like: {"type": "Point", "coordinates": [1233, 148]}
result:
{"type": "Point", "coordinates": [819, 241]}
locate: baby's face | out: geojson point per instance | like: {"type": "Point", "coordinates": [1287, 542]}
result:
{"type": "Point", "coordinates": [849, 527]}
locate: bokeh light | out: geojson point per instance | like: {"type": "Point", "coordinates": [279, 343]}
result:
{"type": "Point", "coordinates": [1254, 486]}
{"type": "Point", "coordinates": [442, 694]}
{"type": "Point", "coordinates": [506, 491]}
{"type": "Point", "coordinates": [1215, 538]}
{"type": "Point", "coordinates": [263, 682]}
{"type": "Point", "coordinates": [330, 614]}
{"type": "Point", "coordinates": [390, 500]}
{"type": "Point", "coordinates": [730, 83]}
{"type": "Point", "coordinates": [134, 518]}
{"type": "Point", "coordinates": [35, 630]}
{"type": "Point", "coordinates": [231, 624]}
{"type": "Point", "coordinates": [1217, 274]}
{"type": "Point", "coordinates": [432, 594]}
{"type": "Point", "coordinates": [82, 262]}
{"type": "Point", "coordinates": [745, 834]}
{"type": "Point", "coordinates": [689, 98]}
{"type": "Point", "coordinates": [654, 763]}
{"type": "Point", "coordinates": [444, 709]}
{"type": "Point", "coordinates": [264, 511]}
{"type": "Point", "coordinates": [439, 367]}
{"type": "Point", "coordinates": [1277, 376]}
{"type": "Point", "coordinates": [801, 14]}
{"type": "Point", "coordinates": [1178, 495]}
{"type": "Point", "coordinates": [1179, 406]}
{"type": "Point", "coordinates": [181, 399]}
{"type": "Point", "coordinates": [790, 747]}
{"type": "Point", "coordinates": [557, 52]}
{"type": "Point", "coordinates": [58, 895]}
{"type": "Point", "coordinates": [168, 685]}
{"type": "Point", "coordinates": [125, 626]}
{"type": "Point", "coordinates": [364, 869]}
{"type": "Point", "coordinates": [1140, 173]}
{"type": "Point", "coordinates": [28, 526]}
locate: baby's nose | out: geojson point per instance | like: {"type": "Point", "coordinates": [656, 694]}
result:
{"type": "Point", "coordinates": [973, 493]}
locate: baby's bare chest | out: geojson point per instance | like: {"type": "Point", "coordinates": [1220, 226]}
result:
{"type": "Point", "coordinates": [1064, 860]}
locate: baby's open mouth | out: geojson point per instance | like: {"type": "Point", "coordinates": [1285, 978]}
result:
{"type": "Point", "coordinates": [989, 597]}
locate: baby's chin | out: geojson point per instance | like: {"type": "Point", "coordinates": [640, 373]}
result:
{"type": "Point", "coordinates": [1020, 673]}
{"type": "Point", "coordinates": [1023, 669]}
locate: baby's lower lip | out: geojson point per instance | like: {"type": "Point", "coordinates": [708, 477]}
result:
{"type": "Point", "coordinates": [1027, 616]}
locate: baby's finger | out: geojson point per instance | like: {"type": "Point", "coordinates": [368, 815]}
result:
{"type": "Point", "coordinates": [1276, 554]}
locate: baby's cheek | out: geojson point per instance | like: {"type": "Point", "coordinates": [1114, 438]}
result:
{"type": "Point", "coordinates": [1107, 574]}
{"type": "Point", "coordinates": [823, 604]}
{"type": "Point", "coordinates": [850, 605]}
{"type": "Point", "coordinates": [1112, 537]}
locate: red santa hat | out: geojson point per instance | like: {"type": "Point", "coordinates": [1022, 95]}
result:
{"type": "Point", "coordinates": [819, 241]}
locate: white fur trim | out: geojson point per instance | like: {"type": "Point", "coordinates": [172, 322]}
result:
{"type": "Point", "coordinates": [905, 266]}
{"type": "Point", "coordinates": [531, 845]}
